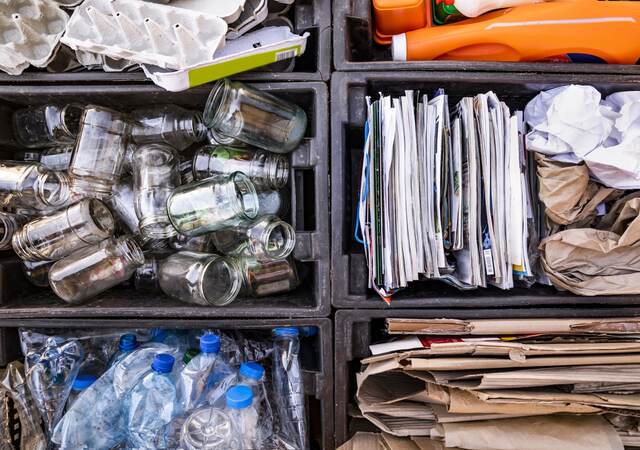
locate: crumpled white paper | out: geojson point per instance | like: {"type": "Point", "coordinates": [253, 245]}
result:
{"type": "Point", "coordinates": [573, 124]}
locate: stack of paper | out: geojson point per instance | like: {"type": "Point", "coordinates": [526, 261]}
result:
{"type": "Point", "coordinates": [507, 384]}
{"type": "Point", "coordinates": [445, 196]}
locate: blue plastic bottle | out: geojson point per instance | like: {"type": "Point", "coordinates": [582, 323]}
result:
{"type": "Point", "coordinates": [152, 405]}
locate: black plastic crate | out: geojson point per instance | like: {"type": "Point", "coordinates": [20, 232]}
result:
{"type": "Point", "coordinates": [315, 356]}
{"type": "Point", "coordinates": [348, 115]}
{"type": "Point", "coordinates": [309, 197]}
{"type": "Point", "coordinates": [312, 16]}
{"type": "Point", "coordinates": [355, 330]}
{"type": "Point", "coordinates": [354, 49]}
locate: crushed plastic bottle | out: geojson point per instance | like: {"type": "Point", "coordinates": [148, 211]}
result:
{"type": "Point", "coordinates": [128, 343]}
{"type": "Point", "coordinates": [80, 384]}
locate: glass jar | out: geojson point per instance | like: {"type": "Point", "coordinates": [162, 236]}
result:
{"type": "Point", "coordinates": [29, 185]}
{"type": "Point", "coordinates": [97, 158]}
{"type": "Point", "coordinates": [122, 205]}
{"type": "Point", "coordinates": [266, 170]}
{"type": "Point", "coordinates": [37, 272]}
{"type": "Point", "coordinates": [265, 238]}
{"type": "Point", "coordinates": [9, 224]}
{"type": "Point", "coordinates": [47, 125]}
{"type": "Point", "coordinates": [155, 177]}
{"type": "Point", "coordinates": [238, 111]}
{"type": "Point", "coordinates": [263, 278]}
{"type": "Point", "coordinates": [200, 278]}
{"type": "Point", "coordinates": [53, 237]}
{"type": "Point", "coordinates": [57, 158]}
{"type": "Point", "coordinates": [274, 202]}
{"type": "Point", "coordinates": [168, 124]}
{"type": "Point", "coordinates": [215, 139]}
{"type": "Point", "coordinates": [92, 270]}
{"type": "Point", "coordinates": [213, 204]}
{"type": "Point", "coordinates": [200, 244]}
{"type": "Point", "coordinates": [146, 276]}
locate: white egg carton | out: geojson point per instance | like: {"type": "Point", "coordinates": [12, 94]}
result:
{"type": "Point", "coordinates": [30, 32]}
{"type": "Point", "coordinates": [253, 14]}
{"type": "Point", "coordinates": [229, 10]}
{"type": "Point", "coordinates": [145, 33]}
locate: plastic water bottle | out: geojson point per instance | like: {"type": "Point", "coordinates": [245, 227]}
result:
{"type": "Point", "coordinates": [288, 389]}
{"type": "Point", "coordinates": [207, 428]}
{"type": "Point", "coordinates": [128, 343]}
{"type": "Point", "coordinates": [82, 382]}
{"type": "Point", "coordinates": [152, 405]}
{"type": "Point", "coordinates": [244, 417]}
{"type": "Point", "coordinates": [199, 374]}
{"type": "Point", "coordinates": [252, 374]}
{"type": "Point", "coordinates": [135, 365]}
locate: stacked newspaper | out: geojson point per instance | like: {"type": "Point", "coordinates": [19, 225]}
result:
{"type": "Point", "coordinates": [507, 384]}
{"type": "Point", "coordinates": [445, 195]}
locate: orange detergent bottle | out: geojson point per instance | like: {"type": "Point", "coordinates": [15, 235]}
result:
{"type": "Point", "coordinates": [561, 30]}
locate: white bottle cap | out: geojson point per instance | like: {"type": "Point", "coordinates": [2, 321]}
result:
{"type": "Point", "coordinates": [399, 47]}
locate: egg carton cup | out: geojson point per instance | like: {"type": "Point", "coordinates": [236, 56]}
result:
{"type": "Point", "coordinates": [145, 33]}
{"type": "Point", "coordinates": [96, 61]}
{"type": "Point", "coordinates": [254, 13]}
{"type": "Point", "coordinates": [228, 10]}
{"type": "Point", "coordinates": [30, 32]}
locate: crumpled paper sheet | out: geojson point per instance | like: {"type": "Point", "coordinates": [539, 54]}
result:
{"type": "Point", "coordinates": [573, 124]}
{"type": "Point", "coordinates": [590, 262]}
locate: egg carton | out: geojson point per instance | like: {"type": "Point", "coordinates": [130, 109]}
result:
{"type": "Point", "coordinates": [253, 14]}
{"type": "Point", "coordinates": [229, 10]}
{"type": "Point", "coordinates": [145, 33]}
{"type": "Point", "coordinates": [30, 32]}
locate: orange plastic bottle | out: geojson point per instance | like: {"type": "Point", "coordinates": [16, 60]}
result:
{"type": "Point", "coordinates": [561, 30]}
{"type": "Point", "coordinates": [398, 16]}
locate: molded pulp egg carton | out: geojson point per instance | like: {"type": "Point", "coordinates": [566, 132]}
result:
{"type": "Point", "coordinates": [145, 33]}
{"type": "Point", "coordinates": [229, 10]}
{"type": "Point", "coordinates": [30, 31]}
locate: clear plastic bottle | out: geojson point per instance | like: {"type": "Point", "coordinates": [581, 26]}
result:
{"type": "Point", "coordinates": [244, 417]}
{"type": "Point", "coordinates": [268, 277]}
{"type": "Point", "coordinates": [266, 170]}
{"type": "Point", "coordinates": [53, 237]}
{"type": "Point", "coordinates": [37, 272]}
{"type": "Point", "coordinates": [212, 204]}
{"type": "Point", "coordinates": [265, 238]}
{"type": "Point", "coordinates": [155, 177]}
{"type": "Point", "coordinates": [200, 278]}
{"type": "Point", "coordinates": [168, 124]}
{"type": "Point", "coordinates": [96, 163]}
{"type": "Point", "coordinates": [288, 389]}
{"type": "Point", "coordinates": [9, 224]}
{"type": "Point", "coordinates": [272, 202]}
{"type": "Point", "coordinates": [252, 374]}
{"type": "Point", "coordinates": [128, 343]}
{"type": "Point", "coordinates": [29, 185]}
{"type": "Point", "coordinates": [57, 158]}
{"type": "Point", "coordinates": [47, 125]}
{"type": "Point", "coordinates": [152, 405]}
{"type": "Point", "coordinates": [207, 428]}
{"type": "Point", "coordinates": [82, 382]}
{"type": "Point", "coordinates": [235, 110]}
{"type": "Point", "coordinates": [93, 270]}
{"type": "Point", "coordinates": [199, 374]}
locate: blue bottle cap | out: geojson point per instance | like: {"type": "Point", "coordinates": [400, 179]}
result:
{"type": "Point", "coordinates": [163, 363]}
{"type": "Point", "coordinates": [83, 381]}
{"type": "Point", "coordinates": [128, 342]}
{"type": "Point", "coordinates": [158, 335]}
{"type": "Point", "coordinates": [209, 343]}
{"type": "Point", "coordinates": [239, 396]}
{"type": "Point", "coordinates": [251, 370]}
{"type": "Point", "coordinates": [308, 331]}
{"type": "Point", "coordinates": [286, 331]}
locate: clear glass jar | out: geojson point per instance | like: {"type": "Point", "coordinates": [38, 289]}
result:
{"type": "Point", "coordinates": [200, 278]}
{"type": "Point", "coordinates": [213, 204]}
{"type": "Point", "coordinates": [155, 176]}
{"type": "Point", "coordinates": [47, 125]}
{"type": "Point", "coordinates": [37, 272]}
{"type": "Point", "coordinates": [273, 202]}
{"type": "Point", "coordinates": [122, 205]}
{"type": "Point", "coordinates": [146, 276]}
{"type": "Point", "coordinates": [92, 270]}
{"type": "Point", "coordinates": [238, 111]}
{"type": "Point", "coordinates": [266, 170]}
{"type": "Point", "coordinates": [168, 124]}
{"type": "Point", "coordinates": [263, 278]}
{"type": "Point", "coordinates": [215, 139]}
{"type": "Point", "coordinates": [57, 158]}
{"type": "Point", "coordinates": [53, 237]}
{"type": "Point", "coordinates": [29, 185]}
{"type": "Point", "coordinates": [265, 238]}
{"type": "Point", "coordinates": [200, 244]}
{"type": "Point", "coordinates": [97, 159]}
{"type": "Point", "coordinates": [9, 224]}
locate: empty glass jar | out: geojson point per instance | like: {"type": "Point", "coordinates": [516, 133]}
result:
{"type": "Point", "coordinates": [265, 238]}
{"type": "Point", "coordinates": [274, 202]}
{"type": "Point", "coordinates": [97, 158]}
{"type": "Point", "coordinates": [202, 244]}
{"type": "Point", "coordinates": [168, 124]}
{"type": "Point", "coordinates": [263, 278]}
{"type": "Point", "coordinates": [237, 111]}
{"type": "Point", "coordinates": [146, 276]}
{"type": "Point", "coordinates": [47, 125]}
{"type": "Point", "coordinates": [92, 270]}
{"type": "Point", "coordinates": [215, 139]}
{"type": "Point", "coordinates": [213, 204]}
{"type": "Point", "coordinates": [9, 224]}
{"type": "Point", "coordinates": [155, 176]}
{"type": "Point", "coordinates": [31, 186]}
{"type": "Point", "coordinates": [266, 170]}
{"type": "Point", "coordinates": [37, 272]}
{"type": "Point", "coordinates": [200, 278]}
{"type": "Point", "coordinates": [123, 207]}
{"type": "Point", "coordinates": [55, 236]}
{"type": "Point", "coordinates": [57, 158]}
